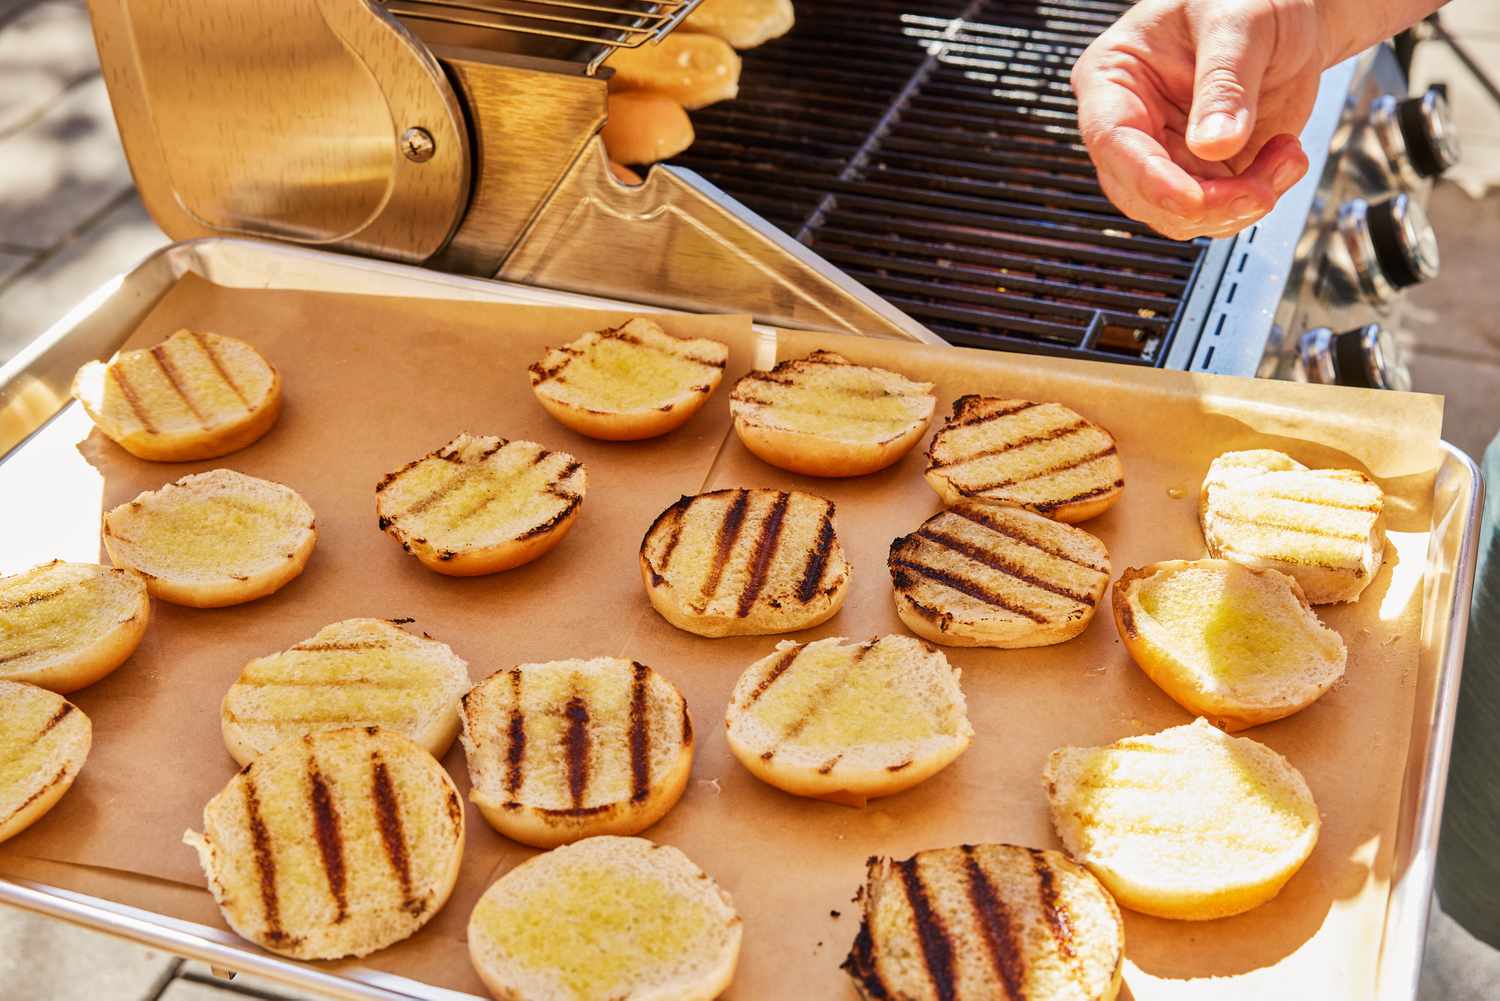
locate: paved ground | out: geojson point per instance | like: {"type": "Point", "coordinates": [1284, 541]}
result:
{"type": "Point", "coordinates": [69, 219]}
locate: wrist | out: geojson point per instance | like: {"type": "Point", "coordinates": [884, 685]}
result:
{"type": "Point", "coordinates": [1348, 27]}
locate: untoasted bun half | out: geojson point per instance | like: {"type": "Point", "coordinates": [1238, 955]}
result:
{"type": "Point", "coordinates": [335, 844]}
{"type": "Point", "coordinates": [645, 127]}
{"type": "Point", "coordinates": [358, 672]}
{"type": "Point", "coordinates": [743, 23]}
{"type": "Point", "coordinates": [980, 574]}
{"type": "Point", "coordinates": [631, 382]}
{"type": "Point", "coordinates": [1325, 527]}
{"type": "Point", "coordinates": [824, 416]}
{"type": "Point", "coordinates": [44, 740]}
{"type": "Point", "coordinates": [607, 917]}
{"type": "Point", "coordinates": [193, 396]}
{"type": "Point", "coordinates": [575, 748]}
{"type": "Point", "coordinates": [481, 504]}
{"type": "Point", "coordinates": [694, 70]}
{"type": "Point", "coordinates": [1236, 645]}
{"type": "Point", "coordinates": [986, 923]}
{"type": "Point", "coordinates": [1188, 823]}
{"type": "Point", "coordinates": [213, 539]}
{"type": "Point", "coordinates": [745, 563]}
{"type": "Point", "coordinates": [66, 625]}
{"type": "Point", "coordinates": [848, 722]}
{"type": "Point", "coordinates": [1040, 456]}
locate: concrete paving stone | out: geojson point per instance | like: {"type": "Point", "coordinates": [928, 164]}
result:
{"type": "Point", "coordinates": [11, 263]}
{"type": "Point", "coordinates": [1457, 966]}
{"type": "Point", "coordinates": [47, 960]}
{"type": "Point", "coordinates": [1472, 18]}
{"type": "Point", "coordinates": [1454, 314]}
{"type": "Point", "coordinates": [35, 299]}
{"type": "Point", "coordinates": [8, 8]}
{"type": "Point", "coordinates": [44, 50]}
{"type": "Point", "coordinates": [61, 169]}
{"type": "Point", "coordinates": [1471, 413]}
{"type": "Point", "coordinates": [242, 985]}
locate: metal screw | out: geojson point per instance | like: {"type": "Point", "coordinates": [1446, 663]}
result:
{"type": "Point", "coordinates": [418, 145]}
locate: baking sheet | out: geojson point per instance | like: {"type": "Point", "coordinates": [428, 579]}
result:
{"type": "Point", "coordinates": [374, 382]}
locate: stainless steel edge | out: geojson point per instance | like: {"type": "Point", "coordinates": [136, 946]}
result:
{"type": "Point", "coordinates": [33, 388]}
{"type": "Point", "coordinates": [1451, 562]}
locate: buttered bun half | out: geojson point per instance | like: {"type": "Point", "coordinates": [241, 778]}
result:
{"type": "Point", "coordinates": [193, 396]}
{"type": "Point", "coordinates": [44, 740]}
{"type": "Point", "coordinates": [213, 539]}
{"type": "Point", "coordinates": [333, 844]}
{"type": "Point", "coordinates": [644, 127]}
{"type": "Point", "coordinates": [607, 917]}
{"type": "Point", "coordinates": [695, 70]}
{"type": "Point", "coordinates": [822, 415]}
{"type": "Point", "coordinates": [743, 23]}
{"type": "Point", "coordinates": [630, 382]}
{"type": "Point", "coordinates": [66, 625]}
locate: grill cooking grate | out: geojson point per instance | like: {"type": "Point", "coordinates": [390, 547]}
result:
{"type": "Point", "coordinates": [935, 157]}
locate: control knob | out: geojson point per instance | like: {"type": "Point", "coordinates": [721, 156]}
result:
{"type": "Point", "coordinates": [1390, 242]}
{"type": "Point", "coordinates": [1367, 357]}
{"type": "Point", "coordinates": [1416, 133]}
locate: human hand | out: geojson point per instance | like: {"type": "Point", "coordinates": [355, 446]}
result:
{"type": "Point", "coordinates": [1190, 109]}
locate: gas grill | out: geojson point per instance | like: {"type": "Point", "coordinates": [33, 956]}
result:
{"type": "Point", "coordinates": [885, 170]}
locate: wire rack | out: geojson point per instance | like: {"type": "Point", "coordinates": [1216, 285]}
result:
{"type": "Point", "coordinates": [600, 24]}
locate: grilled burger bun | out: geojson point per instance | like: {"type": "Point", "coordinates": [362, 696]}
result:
{"type": "Point", "coordinates": [213, 539]}
{"type": "Point", "coordinates": [333, 844]}
{"type": "Point", "coordinates": [1236, 645]}
{"type": "Point", "coordinates": [44, 740]}
{"type": "Point", "coordinates": [848, 722]}
{"type": "Point", "coordinates": [694, 70]}
{"type": "Point", "coordinates": [644, 127]}
{"type": "Point", "coordinates": [575, 748]}
{"type": "Point", "coordinates": [745, 563]}
{"type": "Point", "coordinates": [193, 396]}
{"type": "Point", "coordinates": [1325, 527]}
{"type": "Point", "coordinates": [607, 917]}
{"type": "Point", "coordinates": [481, 504]}
{"type": "Point", "coordinates": [1039, 456]}
{"type": "Point", "coordinates": [631, 382]}
{"type": "Point", "coordinates": [1188, 823]}
{"type": "Point", "coordinates": [980, 574]}
{"type": "Point", "coordinates": [66, 625]}
{"type": "Point", "coordinates": [986, 923]}
{"type": "Point", "coordinates": [742, 23]}
{"type": "Point", "coordinates": [359, 672]}
{"type": "Point", "coordinates": [824, 416]}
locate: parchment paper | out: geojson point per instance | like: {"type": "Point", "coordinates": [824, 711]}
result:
{"type": "Point", "coordinates": [374, 382]}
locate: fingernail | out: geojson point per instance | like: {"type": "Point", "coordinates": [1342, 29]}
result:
{"type": "Point", "coordinates": [1244, 207]}
{"type": "Point", "coordinates": [1215, 126]}
{"type": "Point", "coordinates": [1286, 175]}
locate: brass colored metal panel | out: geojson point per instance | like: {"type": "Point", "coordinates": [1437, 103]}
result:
{"type": "Point", "coordinates": [315, 121]}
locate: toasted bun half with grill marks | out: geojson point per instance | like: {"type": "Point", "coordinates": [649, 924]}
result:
{"type": "Point", "coordinates": [745, 563]}
{"type": "Point", "coordinates": [334, 844]}
{"type": "Point", "coordinates": [481, 504]}
{"type": "Point", "coordinates": [984, 923]}
{"type": "Point", "coordinates": [193, 396]}
{"type": "Point", "coordinates": [742, 23]}
{"type": "Point", "coordinates": [1043, 457]}
{"type": "Point", "coordinates": [608, 917]}
{"type": "Point", "coordinates": [213, 539]}
{"type": "Point", "coordinates": [359, 672]}
{"type": "Point", "coordinates": [980, 574]}
{"type": "Point", "coordinates": [644, 127]}
{"type": "Point", "coordinates": [575, 748]}
{"type": "Point", "coordinates": [44, 740]}
{"type": "Point", "coordinates": [1188, 823]}
{"type": "Point", "coordinates": [848, 722]}
{"type": "Point", "coordinates": [825, 416]}
{"type": "Point", "coordinates": [1234, 644]}
{"type": "Point", "coordinates": [1325, 527]}
{"type": "Point", "coordinates": [66, 625]}
{"type": "Point", "coordinates": [694, 69]}
{"type": "Point", "coordinates": [630, 382]}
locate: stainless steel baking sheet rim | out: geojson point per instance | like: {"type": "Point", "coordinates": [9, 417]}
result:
{"type": "Point", "coordinates": [34, 388]}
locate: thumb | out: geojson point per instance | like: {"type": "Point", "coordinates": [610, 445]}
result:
{"type": "Point", "coordinates": [1231, 65]}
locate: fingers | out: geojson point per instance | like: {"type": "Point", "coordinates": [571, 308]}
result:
{"type": "Point", "coordinates": [1231, 60]}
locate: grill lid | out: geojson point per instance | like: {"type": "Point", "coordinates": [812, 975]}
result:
{"type": "Point", "coordinates": [935, 157]}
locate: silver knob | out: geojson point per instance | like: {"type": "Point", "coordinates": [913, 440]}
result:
{"type": "Point", "coordinates": [1390, 242]}
{"type": "Point", "coordinates": [1367, 357]}
{"type": "Point", "coordinates": [1417, 134]}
